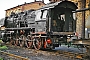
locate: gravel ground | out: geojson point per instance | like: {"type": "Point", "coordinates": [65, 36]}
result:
{"type": "Point", "coordinates": [32, 54]}
{"type": "Point", "coordinates": [71, 49]}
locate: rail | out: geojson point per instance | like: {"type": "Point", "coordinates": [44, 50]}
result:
{"type": "Point", "coordinates": [14, 56]}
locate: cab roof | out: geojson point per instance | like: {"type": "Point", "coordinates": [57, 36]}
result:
{"type": "Point", "coordinates": [63, 4]}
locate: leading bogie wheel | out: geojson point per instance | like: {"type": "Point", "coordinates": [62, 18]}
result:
{"type": "Point", "coordinates": [37, 44]}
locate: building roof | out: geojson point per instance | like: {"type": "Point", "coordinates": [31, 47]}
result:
{"type": "Point", "coordinates": [24, 4]}
{"type": "Point", "coordinates": [52, 5]}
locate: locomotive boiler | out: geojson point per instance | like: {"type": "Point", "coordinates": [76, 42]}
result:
{"type": "Point", "coordinates": [47, 27]}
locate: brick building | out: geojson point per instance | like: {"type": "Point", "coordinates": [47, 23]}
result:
{"type": "Point", "coordinates": [24, 7]}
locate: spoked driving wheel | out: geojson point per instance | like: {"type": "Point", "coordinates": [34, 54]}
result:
{"type": "Point", "coordinates": [22, 41]}
{"type": "Point", "coordinates": [29, 42]}
{"type": "Point", "coordinates": [11, 42]}
{"type": "Point", "coordinates": [37, 44]}
{"type": "Point", "coordinates": [16, 42]}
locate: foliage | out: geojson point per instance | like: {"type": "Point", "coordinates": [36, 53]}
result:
{"type": "Point", "coordinates": [1, 41]}
{"type": "Point", "coordinates": [1, 58]}
{"type": "Point", "coordinates": [3, 48]}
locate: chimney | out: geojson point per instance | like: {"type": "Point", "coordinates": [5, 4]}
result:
{"type": "Point", "coordinates": [43, 1]}
{"type": "Point", "coordinates": [34, 0]}
{"type": "Point", "coordinates": [24, 2]}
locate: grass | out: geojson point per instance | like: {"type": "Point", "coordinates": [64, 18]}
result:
{"type": "Point", "coordinates": [2, 47]}
{"type": "Point", "coordinates": [1, 41]}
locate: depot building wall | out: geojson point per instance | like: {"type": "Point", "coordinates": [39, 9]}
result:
{"type": "Point", "coordinates": [24, 7]}
{"type": "Point", "coordinates": [79, 15]}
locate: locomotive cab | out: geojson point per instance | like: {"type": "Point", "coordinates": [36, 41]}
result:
{"type": "Point", "coordinates": [60, 18]}
{"type": "Point", "coordinates": [61, 25]}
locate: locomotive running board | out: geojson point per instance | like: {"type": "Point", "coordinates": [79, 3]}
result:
{"type": "Point", "coordinates": [21, 28]}
{"type": "Point", "coordinates": [63, 33]}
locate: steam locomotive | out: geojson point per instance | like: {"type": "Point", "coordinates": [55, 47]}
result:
{"type": "Point", "coordinates": [47, 27]}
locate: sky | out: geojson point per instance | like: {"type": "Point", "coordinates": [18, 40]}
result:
{"type": "Point", "coordinates": [6, 4]}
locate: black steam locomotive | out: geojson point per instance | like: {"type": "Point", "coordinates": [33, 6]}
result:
{"type": "Point", "coordinates": [47, 27]}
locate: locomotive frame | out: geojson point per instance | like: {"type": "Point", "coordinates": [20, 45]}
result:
{"type": "Point", "coordinates": [47, 27]}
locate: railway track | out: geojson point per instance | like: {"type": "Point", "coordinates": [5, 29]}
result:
{"type": "Point", "coordinates": [13, 56]}
{"type": "Point", "coordinates": [66, 54]}
{"type": "Point", "coordinates": [29, 52]}
{"type": "Point", "coordinates": [72, 55]}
